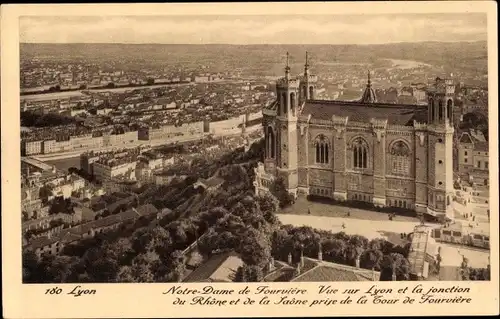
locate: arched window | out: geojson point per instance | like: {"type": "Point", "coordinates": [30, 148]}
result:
{"type": "Point", "coordinates": [304, 93]}
{"type": "Point", "coordinates": [441, 110]}
{"type": "Point", "coordinates": [311, 92]}
{"type": "Point", "coordinates": [400, 157]}
{"type": "Point", "coordinates": [281, 106]}
{"type": "Point", "coordinates": [360, 153]}
{"type": "Point", "coordinates": [431, 105]}
{"type": "Point", "coordinates": [270, 143]}
{"type": "Point", "coordinates": [292, 103]}
{"type": "Point", "coordinates": [449, 110]}
{"type": "Point", "coordinates": [283, 98]}
{"type": "Point", "coordinates": [322, 150]}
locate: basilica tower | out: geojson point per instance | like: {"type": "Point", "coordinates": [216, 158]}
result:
{"type": "Point", "coordinates": [287, 91]}
{"type": "Point", "coordinates": [307, 84]}
{"type": "Point", "coordinates": [440, 148]}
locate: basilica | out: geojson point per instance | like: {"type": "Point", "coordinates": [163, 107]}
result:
{"type": "Point", "coordinates": [385, 154]}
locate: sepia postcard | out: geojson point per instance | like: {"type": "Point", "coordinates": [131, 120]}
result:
{"type": "Point", "coordinates": [249, 159]}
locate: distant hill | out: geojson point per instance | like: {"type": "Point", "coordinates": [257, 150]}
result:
{"type": "Point", "coordinates": [454, 55]}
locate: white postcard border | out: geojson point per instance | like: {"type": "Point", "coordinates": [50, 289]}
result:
{"type": "Point", "coordinates": [147, 300]}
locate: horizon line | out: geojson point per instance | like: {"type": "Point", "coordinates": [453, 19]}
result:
{"type": "Point", "coordinates": [250, 44]}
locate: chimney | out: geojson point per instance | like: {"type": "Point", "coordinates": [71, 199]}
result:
{"type": "Point", "coordinates": [302, 257]}
{"type": "Point", "coordinates": [290, 258]}
{"type": "Point", "coordinates": [357, 261]}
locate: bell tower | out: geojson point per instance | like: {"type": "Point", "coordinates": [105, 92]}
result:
{"type": "Point", "coordinates": [440, 149]}
{"type": "Point", "coordinates": [307, 84]}
{"type": "Point", "coordinates": [287, 90]}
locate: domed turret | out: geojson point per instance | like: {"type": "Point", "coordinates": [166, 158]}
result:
{"type": "Point", "coordinates": [369, 95]}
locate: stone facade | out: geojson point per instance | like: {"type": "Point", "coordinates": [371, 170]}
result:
{"type": "Point", "coordinates": [388, 155]}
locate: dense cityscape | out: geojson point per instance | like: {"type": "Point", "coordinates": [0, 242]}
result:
{"type": "Point", "coordinates": [147, 170]}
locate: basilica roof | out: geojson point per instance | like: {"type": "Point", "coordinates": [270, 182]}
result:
{"type": "Point", "coordinates": [364, 112]}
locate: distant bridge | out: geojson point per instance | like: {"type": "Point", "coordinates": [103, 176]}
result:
{"type": "Point", "coordinates": [36, 163]}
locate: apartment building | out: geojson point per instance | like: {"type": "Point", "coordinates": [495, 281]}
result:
{"type": "Point", "coordinates": [108, 169]}
{"type": "Point", "coordinates": [473, 156]}
{"type": "Point", "coordinates": [31, 147]}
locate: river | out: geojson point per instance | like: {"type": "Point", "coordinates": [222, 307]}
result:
{"type": "Point", "coordinates": [65, 95]}
{"type": "Point", "coordinates": [68, 94]}
{"type": "Point", "coordinates": [65, 163]}
{"type": "Point", "coordinates": [407, 64]}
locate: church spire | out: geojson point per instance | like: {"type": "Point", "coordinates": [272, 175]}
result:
{"type": "Point", "coordinates": [306, 66]}
{"type": "Point", "coordinates": [287, 67]}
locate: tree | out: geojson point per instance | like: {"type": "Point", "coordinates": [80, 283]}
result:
{"type": "Point", "coordinates": [254, 248]}
{"type": "Point", "coordinates": [394, 262]}
{"type": "Point", "coordinates": [62, 269]}
{"type": "Point", "coordinates": [381, 244]}
{"type": "Point", "coordinates": [155, 239]}
{"type": "Point", "coordinates": [179, 231]}
{"type": "Point", "coordinates": [31, 269]}
{"type": "Point", "coordinates": [103, 269]}
{"type": "Point", "coordinates": [334, 250]}
{"type": "Point", "coordinates": [43, 273]}
{"type": "Point", "coordinates": [279, 190]}
{"type": "Point", "coordinates": [370, 259]}
{"type": "Point", "coordinates": [125, 274]}
{"type": "Point", "coordinates": [61, 205]}
{"type": "Point", "coordinates": [269, 206]}
{"type": "Point", "coordinates": [175, 267]}
{"type": "Point", "coordinates": [142, 273]}
{"type": "Point", "coordinates": [45, 192]}
{"type": "Point", "coordinates": [120, 250]}
{"type": "Point", "coordinates": [248, 273]}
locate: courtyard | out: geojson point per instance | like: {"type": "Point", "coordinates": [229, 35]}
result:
{"type": "Point", "coordinates": [302, 207]}
{"type": "Point", "coordinates": [372, 224]}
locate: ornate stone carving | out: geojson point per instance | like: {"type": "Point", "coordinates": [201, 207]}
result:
{"type": "Point", "coordinates": [302, 129]}
{"type": "Point", "coordinates": [421, 137]}
{"type": "Point", "coordinates": [339, 125]}
{"type": "Point", "coordinates": [379, 127]}
{"type": "Point", "coordinates": [339, 131]}
{"type": "Point", "coordinates": [379, 134]}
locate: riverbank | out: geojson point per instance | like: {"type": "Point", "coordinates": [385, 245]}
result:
{"type": "Point", "coordinates": [101, 87]}
{"type": "Point", "coordinates": [50, 95]}
{"type": "Point", "coordinates": [407, 64]}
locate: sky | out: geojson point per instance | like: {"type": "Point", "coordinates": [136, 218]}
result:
{"type": "Point", "coordinates": [262, 29]}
